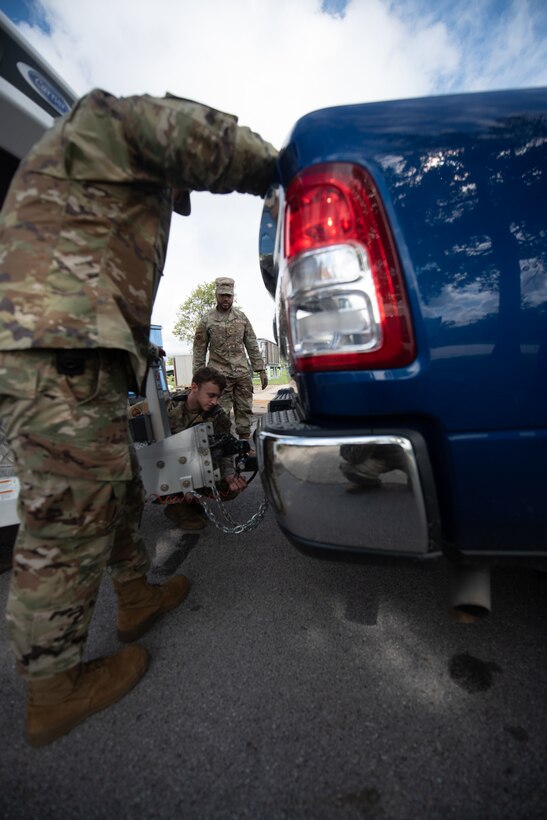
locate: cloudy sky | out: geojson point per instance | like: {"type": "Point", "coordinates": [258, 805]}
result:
{"type": "Point", "coordinates": [269, 62]}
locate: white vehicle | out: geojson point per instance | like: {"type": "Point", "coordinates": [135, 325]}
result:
{"type": "Point", "coordinates": [31, 95]}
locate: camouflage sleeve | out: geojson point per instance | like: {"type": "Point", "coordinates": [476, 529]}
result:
{"type": "Point", "coordinates": [175, 415]}
{"type": "Point", "coordinates": [221, 426]}
{"type": "Point", "coordinates": [201, 341]}
{"type": "Point", "coordinates": [252, 348]}
{"type": "Point", "coordinates": [253, 164]}
{"type": "Point", "coordinates": [221, 422]}
{"type": "Point", "coordinates": [168, 141]}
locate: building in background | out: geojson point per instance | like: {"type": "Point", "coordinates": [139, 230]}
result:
{"type": "Point", "coordinates": [182, 370]}
{"type": "Point", "coordinates": [181, 367]}
{"type": "Point", "coordinates": [272, 359]}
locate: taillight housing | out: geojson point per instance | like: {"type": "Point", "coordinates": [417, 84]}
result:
{"type": "Point", "coordinates": [341, 288]}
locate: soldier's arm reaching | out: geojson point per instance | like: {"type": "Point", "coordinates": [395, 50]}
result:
{"type": "Point", "coordinates": [168, 141]}
{"type": "Point", "coordinates": [222, 426]}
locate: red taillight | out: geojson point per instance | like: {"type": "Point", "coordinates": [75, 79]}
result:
{"type": "Point", "coordinates": [329, 209]}
{"type": "Point", "coordinates": [317, 215]}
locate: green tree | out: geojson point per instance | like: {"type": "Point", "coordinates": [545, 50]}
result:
{"type": "Point", "coordinates": [202, 299]}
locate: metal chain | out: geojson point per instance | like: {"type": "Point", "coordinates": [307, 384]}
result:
{"type": "Point", "coordinates": [253, 521]}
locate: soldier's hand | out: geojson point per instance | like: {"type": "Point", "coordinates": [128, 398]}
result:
{"type": "Point", "coordinates": [236, 483]}
{"type": "Point", "coordinates": [155, 352]}
{"type": "Point", "coordinates": [263, 379]}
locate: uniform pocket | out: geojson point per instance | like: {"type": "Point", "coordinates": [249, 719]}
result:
{"type": "Point", "coordinates": [51, 507]}
{"type": "Point", "coordinates": [19, 373]}
{"type": "Point", "coordinates": [85, 386]}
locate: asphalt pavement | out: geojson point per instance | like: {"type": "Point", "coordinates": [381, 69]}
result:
{"type": "Point", "coordinates": [288, 687]}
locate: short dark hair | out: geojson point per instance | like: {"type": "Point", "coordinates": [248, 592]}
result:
{"type": "Point", "coordinates": [209, 374]}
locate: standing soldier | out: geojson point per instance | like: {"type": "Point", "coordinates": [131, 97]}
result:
{"type": "Point", "coordinates": [83, 233]}
{"type": "Point", "coordinates": [227, 333]}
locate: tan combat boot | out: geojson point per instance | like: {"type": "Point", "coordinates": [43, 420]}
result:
{"type": "Point", "coordinates": [59, 703]}
{"type": "Point", "coordinates": [186, 516]}
{"type": "Point", "coordinates": [140, 603]}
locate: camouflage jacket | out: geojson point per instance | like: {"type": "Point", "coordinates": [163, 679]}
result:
{"type": "Point", "coordinates": [227, 336]}
{"type": "Point", "coordinates": [181, 418]}
{"type": "Point", "coordinates": [84, 227]}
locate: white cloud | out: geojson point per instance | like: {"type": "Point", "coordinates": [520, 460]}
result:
{"type": "Point", "coordinates": [270, 61]}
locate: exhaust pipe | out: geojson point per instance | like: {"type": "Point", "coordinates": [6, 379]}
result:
{"type": "Point", "coordinates": [469, 593]}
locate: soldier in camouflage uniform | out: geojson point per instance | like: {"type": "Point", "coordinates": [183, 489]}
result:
{"type": "Point", "coordinates": [83, 235]}
{"type": "Point", "coordinates": [227, 333]}
{"type": "Point", "coordinates": [197, 405]}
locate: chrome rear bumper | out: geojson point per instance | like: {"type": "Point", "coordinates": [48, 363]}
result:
{"type": "Point", "coordinates": [362, 493]}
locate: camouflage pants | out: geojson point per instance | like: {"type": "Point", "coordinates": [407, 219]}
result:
{"type": "Point", "coordinates": [80, 502]}
{"type": "Point", "coordinates": [239, 395]}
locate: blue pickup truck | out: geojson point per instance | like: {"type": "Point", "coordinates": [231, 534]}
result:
{"type": "Point", "coordinates": [406, 247]}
